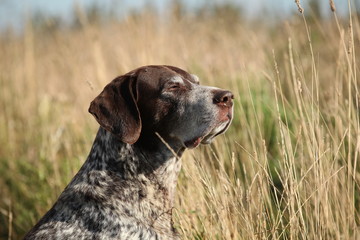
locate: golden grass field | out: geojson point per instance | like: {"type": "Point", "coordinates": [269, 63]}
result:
{"type": "Point", "coordinates": [286, 169]}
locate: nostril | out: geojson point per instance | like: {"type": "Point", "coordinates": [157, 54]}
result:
{"type": "Point", "coordinates": [223, 97]}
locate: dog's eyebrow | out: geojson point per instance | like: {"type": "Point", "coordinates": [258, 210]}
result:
{"type": "Point", "coordinates": [176, 79]}
{"type": "Point", "coordinates": [195, 78]}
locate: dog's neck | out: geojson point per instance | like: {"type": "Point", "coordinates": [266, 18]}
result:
{"type": "Point", "coordinates": [148, 156]}
{"type": "Point", "coordinates": [144, 177]}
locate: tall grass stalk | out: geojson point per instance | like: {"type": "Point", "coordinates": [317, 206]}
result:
{"type": "Point", "coordinates": [286, 169]}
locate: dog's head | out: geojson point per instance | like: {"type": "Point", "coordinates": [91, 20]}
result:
{"type": "Point", "coordinates": [166, 100]}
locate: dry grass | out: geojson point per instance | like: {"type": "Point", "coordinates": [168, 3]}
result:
{"type": "Point", "coordinates": [287, 168]}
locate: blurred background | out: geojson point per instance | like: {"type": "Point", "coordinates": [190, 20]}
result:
{"type": "Point", "coordinates": [13, 14]}
{"type": "Point", "coordinates": [286, 169]}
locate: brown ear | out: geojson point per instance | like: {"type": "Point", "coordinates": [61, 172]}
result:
{"type": "Point", "coordinates": [116, 109]}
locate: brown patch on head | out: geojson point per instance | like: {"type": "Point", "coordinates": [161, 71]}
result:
{"type": "Point", "coordinates": [116, 109]}
{"type": "Point", "coordinates": [119, 106]}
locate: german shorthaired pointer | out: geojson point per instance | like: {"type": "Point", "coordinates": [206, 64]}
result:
{"type": "Point", "coordinates": [126, 187]}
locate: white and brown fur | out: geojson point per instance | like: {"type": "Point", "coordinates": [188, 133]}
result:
{"type": "Point", "coordinates": [126, 187]}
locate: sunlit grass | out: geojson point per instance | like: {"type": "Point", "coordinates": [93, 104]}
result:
{"type": "Point", "coordinates": [286, 169]}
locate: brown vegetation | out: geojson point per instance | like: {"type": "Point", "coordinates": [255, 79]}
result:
{"type": "Point", "coordinates": [287, 168]}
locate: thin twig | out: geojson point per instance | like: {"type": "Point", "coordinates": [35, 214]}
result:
{"type": "Point", "coordinates": [300, 9]}
{"type": "Point", "coordinates": [332, 5]}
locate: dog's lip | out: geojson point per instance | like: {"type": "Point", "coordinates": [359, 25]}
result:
{"type": "Point", "coordinates": [215, 132]}
{"type": "Point", "coordinates": [193, 143]}
{"type": "Point", "coordinates": [208, 137]}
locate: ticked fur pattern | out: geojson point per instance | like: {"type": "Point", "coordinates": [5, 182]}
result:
{"type": "Point", "coordinates": [101, 203]}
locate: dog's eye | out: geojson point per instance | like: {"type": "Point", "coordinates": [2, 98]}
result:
{"type": "Point", "coordinates": [173, 87]}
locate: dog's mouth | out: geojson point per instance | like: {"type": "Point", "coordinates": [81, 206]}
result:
{"type": "Point", "coordinates": [208, 137]}
{"type": "Point", "coordinates": [193, 143]}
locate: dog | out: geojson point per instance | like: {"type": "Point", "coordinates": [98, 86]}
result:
{"type": "Point", "coordinates": [126, 187]}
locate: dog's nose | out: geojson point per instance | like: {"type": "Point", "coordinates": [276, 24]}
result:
{"type": "Point", "coordinates": [223, 98]}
